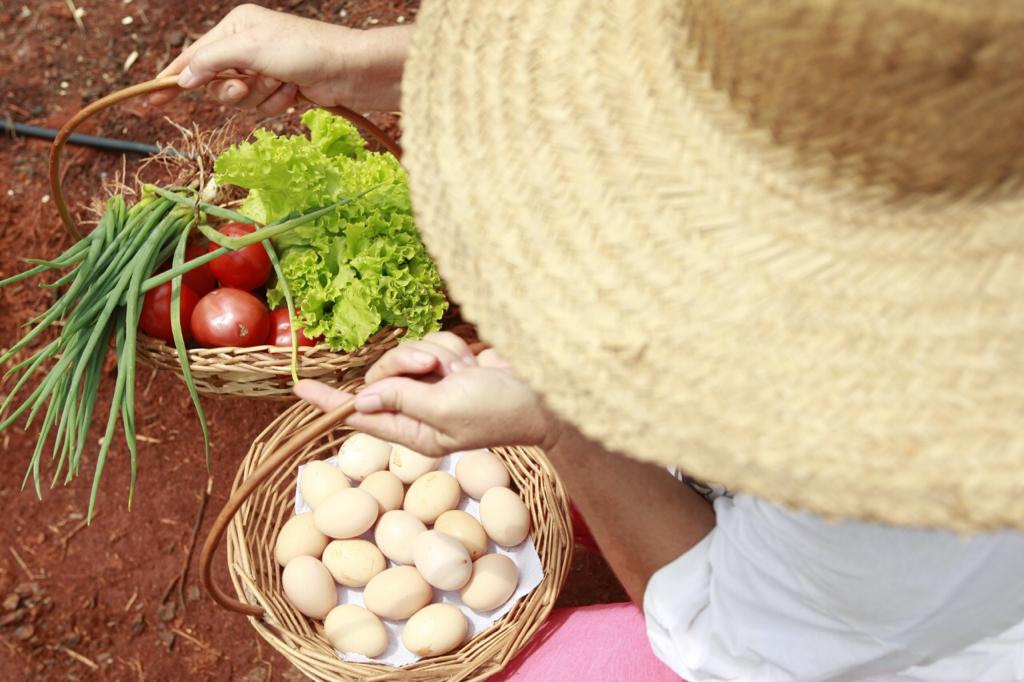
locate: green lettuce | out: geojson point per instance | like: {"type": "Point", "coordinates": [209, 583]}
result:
{"type": "Point", "coordinates": [357, 269]}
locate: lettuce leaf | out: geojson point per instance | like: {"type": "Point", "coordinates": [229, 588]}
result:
{"type": "Point", "coordinates": [357, 269]}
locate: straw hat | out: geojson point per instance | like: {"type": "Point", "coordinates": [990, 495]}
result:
{"type": "Point", "coordinates": [777, 243]}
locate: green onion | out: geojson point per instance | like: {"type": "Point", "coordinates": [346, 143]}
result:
{"type": "Point", "coordinates": [179, 342]}
{"type": "Point", "coordinates": [103, 279]}
{"type": "Point", "coordinates": [272, 254]}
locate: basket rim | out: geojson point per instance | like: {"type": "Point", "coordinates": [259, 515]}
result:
{"type": "Point", "coordinates": [156, 346]}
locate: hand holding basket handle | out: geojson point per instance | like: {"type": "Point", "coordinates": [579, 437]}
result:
{"type": "Point", "coordinates": [315, 60]}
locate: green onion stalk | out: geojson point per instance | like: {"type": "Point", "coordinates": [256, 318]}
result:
{"type": "Point", "coordinates": [103, 280]}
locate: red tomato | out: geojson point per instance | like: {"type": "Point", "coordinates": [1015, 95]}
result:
{"type": "Point", "coordinates": [230, 317]}
{"type": "Point", "coordinates": [155, 319]}
{"type": "Point", "coordinates": [281, 330]}
{"type": "Point", "coordinates": [201, 280]}
{"type": "Point", "coordinates": [246, 268]}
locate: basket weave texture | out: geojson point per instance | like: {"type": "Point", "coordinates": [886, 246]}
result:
{"type": "Point", "coordinates": [265, 371]}
{"type": "Point", "coordinates": [257, 577]}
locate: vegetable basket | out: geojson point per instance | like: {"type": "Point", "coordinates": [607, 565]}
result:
{"type": "Point", "coordinates": [257, 371]}
{"type": "Point", "coordinates": [262, 500]}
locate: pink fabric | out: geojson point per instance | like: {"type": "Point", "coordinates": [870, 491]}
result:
{"type": "Point", "coordinates": [599, 643]}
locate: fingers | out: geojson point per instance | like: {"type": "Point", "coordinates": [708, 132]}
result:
{"type": "Point", "coordinates": [400, 428]}
{"type": "Point", "coordinates": [417, 399]}
{"type": "Point", "coordinates": [490, 358]}
{"type": "Point", "coordinates": [416, 358]}
{"type": "Point", "coordinates": [320, 395]}
{"type": "Point", "coordinates": [279, 102]}
{"type": "Point", "coordinates": [396, 427]}
{"type": "Point", "coordinates": [229, 90]}
{"type": "Point", "coordinates": [450, 341]}
{"type": "Point", "coordinates": [181, 61]}
{"type": "Point", "coordinates": [239, 51]}
{"type": "Point", "coordinates": [260, 88]}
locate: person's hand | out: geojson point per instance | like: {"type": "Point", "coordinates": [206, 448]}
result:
{"type": "Point", "coordinates": [435, 397]}
{"type": "Point", "coordinates": [279, 56]}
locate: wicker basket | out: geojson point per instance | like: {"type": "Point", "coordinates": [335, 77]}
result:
{"type": "Point", "coordinates": [266, 371]}
{"type": "Point", "coordinates": [262, 500]}
{"type": "Point", "coordinates": [254, 372]}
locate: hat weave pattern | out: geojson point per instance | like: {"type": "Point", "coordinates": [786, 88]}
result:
{"type": "Point", "coordinates": [797, 287]}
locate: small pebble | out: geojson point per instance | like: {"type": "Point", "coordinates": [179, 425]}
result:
{"type": "Point", "coordinates": [126, 21]}
{"type": "Point", "coordinates": [400, 19]}
{"type": "Point", "coordinates": [24, 589]}
{"type": "Point", "coordinates": [11, 600]}
{"type": "Point", "coordinates": [166, 612]}
{"type": "Point", "coordinates": [167, 638]}
{"type": "Point", "coordinates": [65, 85]}
{"type": "Point", "coordinates": [46, 198]}
{"type": "Point", "coordinates": [130, 60]}
{"type": "Point", "coordinates": [25, 632]}
{"type": "Point", "coordinates": [13, 617]}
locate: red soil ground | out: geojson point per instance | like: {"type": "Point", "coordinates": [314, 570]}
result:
{"type": "Point", "coordinates": [87, 602]}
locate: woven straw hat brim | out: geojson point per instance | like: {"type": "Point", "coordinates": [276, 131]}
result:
{"type": "Point", "coordinates": [689, 291]}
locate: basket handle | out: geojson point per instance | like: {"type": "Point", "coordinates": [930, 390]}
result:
{"type": "Point", "coordinates": [163, 84]}
{"type": "Point", "coordinates": [272, 463]}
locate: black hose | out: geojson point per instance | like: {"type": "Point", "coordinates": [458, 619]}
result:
{"type": "Point", "coordinates": [105, 143]}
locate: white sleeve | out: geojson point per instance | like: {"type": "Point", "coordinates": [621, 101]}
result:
{"type": "Point", "coordinates": [676, 595]}
{"type": "Point", "coordinates": [774, 594]}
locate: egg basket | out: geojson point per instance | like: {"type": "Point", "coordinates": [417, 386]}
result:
{"type": "Point", "coordinates": [263, 498]}
{"type": "Point", "coordinates": [253, 372]}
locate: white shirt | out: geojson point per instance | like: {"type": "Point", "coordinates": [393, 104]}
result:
{"type": "Point", "coordinates": [773, 594]}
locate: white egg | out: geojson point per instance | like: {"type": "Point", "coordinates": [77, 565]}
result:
{"type": "Point", "coordinates": [442, 560]}
{"type": "Point", "coordinates": [397, 593]}
{"type": "Point", "coordinates": [479, 471]}
{"type": "Point", "coordinates": [318, 481]}
{"type": "Point", "coordinates": [432, 495]}
{"type": "Point", "coordinates": [386, 488]}
{"type": "Point", "coordinates": [504, 516]}
{"type": "Point", "coordinates": [355, 630]}
{"type": "Point", "coordinates": [346, 514]}
{"type": "Point", "coordinates": [409, 465]}
{"type": "Point", "coordinates": [395, 533]}
{"type": "Point", "coordinates": [464, 528]}
{"type": "Point", "coordinates": [435, 630]}
{"type": "Point", "coordinates": [309, 587]}
{"type": "Point", "coordinates": [353, 562]}
{"type": "Point", "coordinates": [361, 454]}
{"type": "Point", "coordinates": [298, 537]}
{"type": "Point", "coordinates": [494, 579]}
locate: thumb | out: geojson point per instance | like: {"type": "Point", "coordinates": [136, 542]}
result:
{"type": "Point", "coordinates": [240, 52]}
{"type": "Point", "coordinates": [416, 399]}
